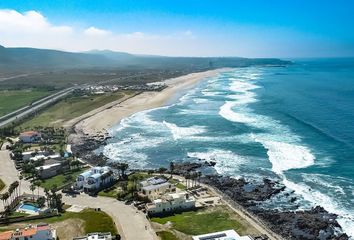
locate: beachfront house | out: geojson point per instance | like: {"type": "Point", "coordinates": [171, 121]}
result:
{"type": "Point", "coordinates": [94, 179]}
{"type": "Point", "coordinates": [96, 236]}
{"type": "Point", "coordinates": [155, 186]}
{"type": "Point", "coordinates": [40, 232]}
{"type": "Point", "coordinates": [30, 137]}
{"type": "Point", "coordinates": [174, 202]}
{"type": "Point", "coordinates": [224, 235]}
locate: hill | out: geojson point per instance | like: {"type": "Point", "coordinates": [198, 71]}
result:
{"type": "Point", "coordinates": [32, 58]}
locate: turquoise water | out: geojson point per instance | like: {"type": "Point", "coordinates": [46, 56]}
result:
{"type": "Point", "coordinates": [29, 207]}
{"type": "Point", "coordinates": [294, 124]}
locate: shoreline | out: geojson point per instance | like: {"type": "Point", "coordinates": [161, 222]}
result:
{"type": "Point", "coordinates": [97, 122]}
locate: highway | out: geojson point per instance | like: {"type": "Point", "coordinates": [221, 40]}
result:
{"type": "Point", "coordinates": [35, 106]}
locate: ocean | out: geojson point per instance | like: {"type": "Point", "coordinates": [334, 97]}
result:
{"type": "Point", "coordinates": [294, 124]}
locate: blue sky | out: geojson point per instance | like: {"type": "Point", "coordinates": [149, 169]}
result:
{"type": "Point", "coordinates": [190, 28]}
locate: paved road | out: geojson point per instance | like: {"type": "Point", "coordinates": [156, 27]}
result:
{"type": "Point", "coordinates": [20, 113]}
{"type": "Point", "coordinates": [130, 222]}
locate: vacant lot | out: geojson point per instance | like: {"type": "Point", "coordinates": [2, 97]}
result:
{"type": "Point", "coordinates": [204, 221]}
{"type": "Point", "coordinates": [164, 235]}
{"type": "Point", "coordinates": [70, 108]}
{"type": "Point", "coordinates": [11, 100]}
{"type": "Point", "coordinates": [60, 180]}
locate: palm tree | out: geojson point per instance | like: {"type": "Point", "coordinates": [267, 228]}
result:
{"type": "Point", "coordinates": [172, 168]}
{"type": "Point", "coordinates": [6, 197]}
{"type": "Point", "coordinates": [123, 167]}
{"type": "Point", "coordinates": [37, 184]}
{"type": "Point", "coordinates": [2, 197]}
{"type": "Point", "coordinates": [11, 191]}
{"type": "Point", "coordinates": [199, 175]}
{"type": "Point", "coordinates": [20, 177]}
{"type": "Point", "coordinates": [15, 186]}
{"type": "Point", "coordinates": [32, 188]}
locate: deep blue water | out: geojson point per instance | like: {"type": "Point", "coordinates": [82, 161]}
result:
{"type": "Point", "coordinates": [293, 123]}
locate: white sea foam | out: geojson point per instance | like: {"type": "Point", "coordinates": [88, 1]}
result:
{"type": "Point", "coordinates": [227, 113]}
{"type": "Point", "coordinates": [227, 162]}
{"type": "Point", "coordinates": [200, 100]}
{"type": "Point", "coordinates": [285, 156]}
{"type": "Point", "coordinates": [182, 132]}
{"type": "Point", "coordinates": [130, 149]}
{"type": "Point", "coordinates": [242, 87]}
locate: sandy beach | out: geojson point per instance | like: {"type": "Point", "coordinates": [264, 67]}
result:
{"type": "Point", "coordinates": [100, 120]}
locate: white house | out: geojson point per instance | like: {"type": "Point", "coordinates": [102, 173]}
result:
{"type": "Point", "coordinates": [224, 235]}
{"type": "Point", "coordinates": [30, 136]}
{"type": "Point", "coordinates": [94, 179]}
{"type": "Point", "coordinates": [173, 202]}
{"type": "Point", "coordinates": [40, 232]}
{"type": "Point", "coordinates": [154, 187]}
{"type": "Point", "coordinates": [96, 236]}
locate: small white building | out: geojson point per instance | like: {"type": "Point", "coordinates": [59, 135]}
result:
{"type": "Point", "coordinates": [173, 202]}
{"type": "Point", "coordinates": [154, 187]}
{"type": "Point", "coordinates": [224, 235]}
{"type": "Point", "coordinates": [30, 136]}
{"type": "Point", "coordinates": [94, 179]}
{"type": "Point", "coordinates": [40, 232]}
{"type": "Point", "coordinates": [96, 236]}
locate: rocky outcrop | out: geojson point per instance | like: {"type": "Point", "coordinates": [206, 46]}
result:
{"type": "Point", "coordinates": [315, 223]}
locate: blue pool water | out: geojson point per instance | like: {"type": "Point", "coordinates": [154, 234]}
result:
{"type": "Point", "coordinates": [294, 124]}
{"type": "Point", "coordinates": [29, 207]}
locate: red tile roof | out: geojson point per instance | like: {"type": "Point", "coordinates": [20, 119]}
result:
{"type": "Point", "coordinates": [6, 235]}
{"type": "Point", "coordinates": [29, 133]}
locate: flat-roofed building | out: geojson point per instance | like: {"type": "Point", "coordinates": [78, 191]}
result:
{"type": "Point", "coordinates": [174, 202]}
{"type": "Point", "coordinates": [224, 235]}
{"type": "Point", "coordinates": [96, 236]}
{"type": "Point", "coordinates": [50, 170]}
{"type": "Point", "coordinates": [154, 187]}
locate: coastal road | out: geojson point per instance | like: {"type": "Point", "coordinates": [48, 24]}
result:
{"type": "Point", "coordinates": [36, 106]}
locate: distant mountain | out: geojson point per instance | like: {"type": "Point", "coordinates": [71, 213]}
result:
{"type": "Point", "coordinates": [32, 58]}
{"type": "Point", "coordinates": [27, 58]}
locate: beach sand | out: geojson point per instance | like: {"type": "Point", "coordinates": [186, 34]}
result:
{"type": "Point", "coordinates": [100, 120]}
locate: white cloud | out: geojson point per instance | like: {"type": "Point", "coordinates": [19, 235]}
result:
{"type": "Point", "coordinates": [32, 29]}
{"type": "Point", "coordinates": [93, 31]}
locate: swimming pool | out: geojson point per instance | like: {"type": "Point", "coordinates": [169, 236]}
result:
{"type": "Point", "coordinates": [28, 207]}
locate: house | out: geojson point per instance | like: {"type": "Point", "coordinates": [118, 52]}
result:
{"type": "Point", "coordinates": [174, 202]}
{"type": "Point", "coordinates": [96, 236]}
{"type": "Point", "coordinates": [155, 186]}
{"type": "Point", "coordinates": [224, 235]}
{"type": "Point", "coordinates": [40, 232]}
{"type": "Point", "coordinates": [48, 171]}
{"type": "Point", "coordinates": [30, 136]}
{"type": "Point", "coordinates": [94, 179]}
